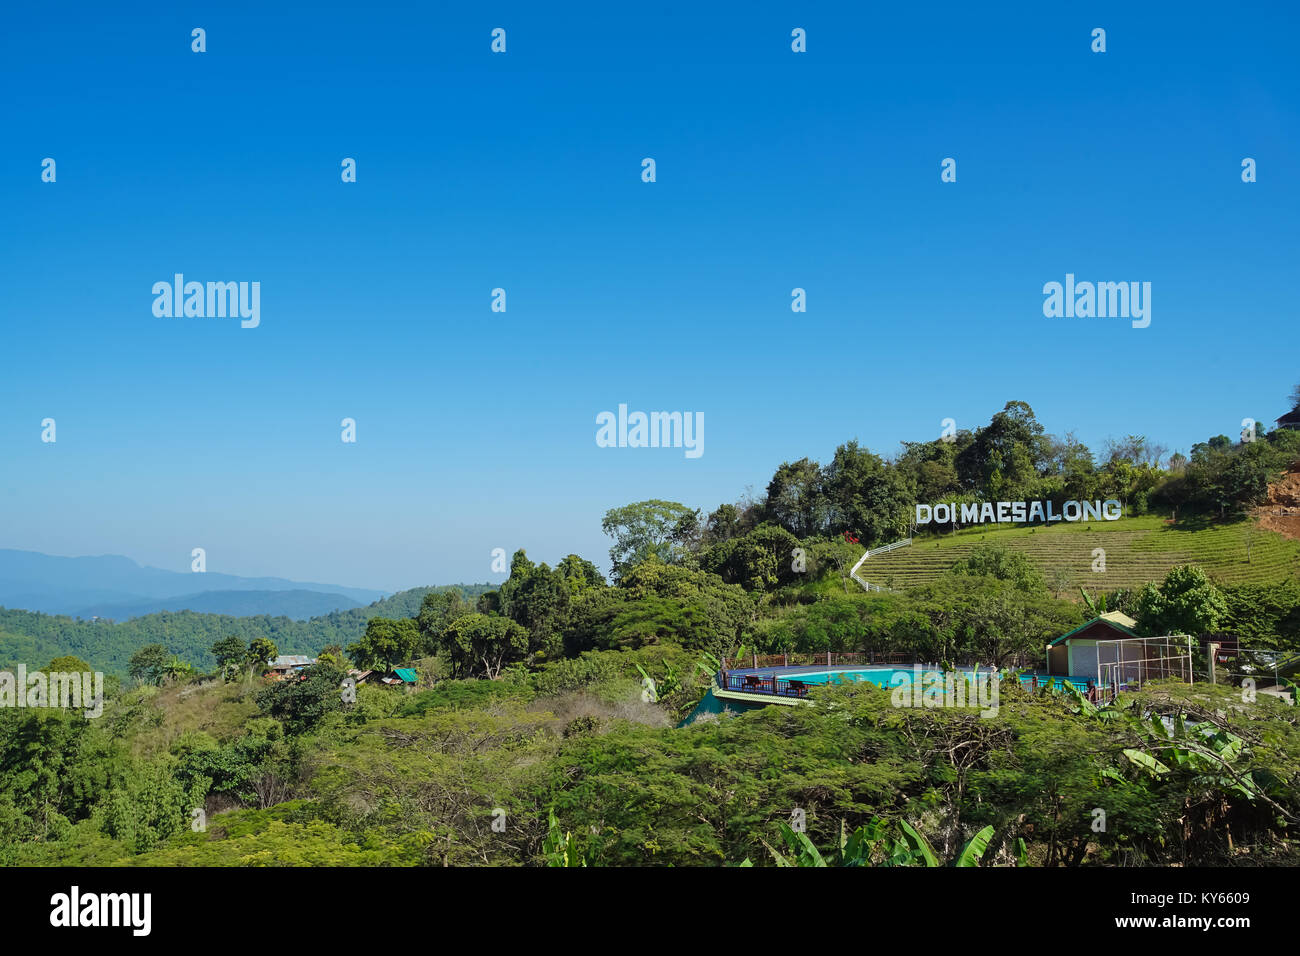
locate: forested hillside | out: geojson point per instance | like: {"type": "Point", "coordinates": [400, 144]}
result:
{"type": "Point", "coordinates": [36, 638]}
{"type": "Point", "coordinates": [544, 724]}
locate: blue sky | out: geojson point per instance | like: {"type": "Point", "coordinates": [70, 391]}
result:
{"type": "Point", "coordinates": [775, 170]}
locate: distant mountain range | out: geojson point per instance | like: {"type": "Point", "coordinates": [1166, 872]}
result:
{"type": "Point", "coordinates": [116, 587]}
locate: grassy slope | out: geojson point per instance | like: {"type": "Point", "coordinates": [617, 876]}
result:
{"type": "Point", "coordinates": [1138, 550]}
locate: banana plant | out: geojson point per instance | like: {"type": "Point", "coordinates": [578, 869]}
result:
{"type": "Point", "coordinates": [1173, 747]}
{"type": "Point", "coordinates": [803, 852]}
{"type": "Point", "coordinates": [708, 664]}
{"type": "Point", "coordinates": [1095, 608]}
{"type": "Point", "coordinates": [558, 847]}
{"type": "Point", "coordinates": [665, 686]}
{"type": "Point", "coordinates": [874, 844]}
{"type": "Point", "coordinates": [176, 669]}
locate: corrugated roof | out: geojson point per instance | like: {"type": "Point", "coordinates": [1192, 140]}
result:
{"type": "Point", "coordinates": [1119, 617]}
{"type": "Point", "coordinates": [1113, 619]}
{"type": "Point", "coordinates": [405, 673]}
{"type": "Point", "coordinates": [293, 660]}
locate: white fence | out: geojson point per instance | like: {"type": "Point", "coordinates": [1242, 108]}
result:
{"type": "Point", "coordinates": [874, 551]}
{"type": "Point", "coordinates": [1132, 661]}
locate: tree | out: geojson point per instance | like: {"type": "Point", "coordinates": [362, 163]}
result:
{"type": "Point", "coordinates": [67, 664]}
{"type": "Point", "coordinates": [579, 575]}
{"type": "Point", "coordinates": [300, 704]}
{"type": "Point", "coordinates": [643, 529]}
{"type": "Point", "coordinates": [732, 520]}
{"type": "Point", "coordinates": [758, 561]}
{"type": "Point", "coordinates": [1229, 479]}
{"type": "Point", "coordinates": [1006, 454]}
{"type": "Point", "coordinates": [151, 806]}
{"type": "Point", "coordinates": [230, 653]}
{"type": "Point", "coordinates": [1202, 451]}
{"type": "Point", "coordinates": [1136, 450]}
{"type": "Point", "coordinates": [1062, 579]}
{"type": "Point", "coordinates": [386, 643]}
{"type": "Point", "coordinates": [438, 610]}
{"type": "Point", "coordinates": [148, 665]}
{"type": "Point", "coordinates": [1186, 602]}
{"type": "Point", "coordinates": [796, 499]}
{"type": "Point", "coordinates": [261, 651]}
{"type": "Point", "coordinates": [999, 561]}
{"type": "Point", "coordinates": [537, 599]}
{"type": "Point", "coordinates": [722, 524]}
{"type": "Point", "coordinates": [477, 644]}
{"type": "Point", "coordinates": [332, 655]}
{"type": "Point", "coordinates": [931, 467]}
{"type": "Point", "coordinates": [865, 496]}
{"type": "Point", "coordinates": [980, 617]}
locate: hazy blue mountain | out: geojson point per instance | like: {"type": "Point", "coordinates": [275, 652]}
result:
{"type": "Point", "coordinates": [58, 585]}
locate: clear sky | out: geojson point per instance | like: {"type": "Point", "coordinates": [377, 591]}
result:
{"type": "Point", "coordinates": [522, 170]}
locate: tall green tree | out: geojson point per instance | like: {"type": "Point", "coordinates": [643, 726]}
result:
{"type": "Point", "coordinates": [261, 651]}
{"type": "Point", "coordinates": [300, 704]}
{"type": "Point", "coordinates": [645, 529]}
{"type": "Point", "coordinates": [481, 646]}
{"type": "Point", "coordinates": [386, 643]}
{"type": "Point", "coordinates": [149, 664]}
{"type": "Point", "coordinates": [867, 497]}
{"type": "Point", "coordinates": [437, 611]}
{"type": "Point", "coordinates": [68, 664]}
{"type": "Point", "coordinates": [796, 498]}
{"type": "Point", "coordinates": [1185, 602]}
{"type": "Point", "coordinates": [538, 598]}
{"type": "Point", "coordinates": [230, 653]}
{"type": "Point", "coordinates": [1006, 454]}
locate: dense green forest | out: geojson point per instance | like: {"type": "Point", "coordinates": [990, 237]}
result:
{"type": "Point", "coordinates": [544, 727]}
{"type": "Point", "coordinates": [470, 772]}
{"type": "Point", "coordinates": [29, 636]}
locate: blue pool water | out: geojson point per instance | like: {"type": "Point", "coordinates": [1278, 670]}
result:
{"type": "Point", "coordinates": [880, 676]}
{"type": "Point", "coordinates": [877, 675]}
{"type": "Point", "coordinates": [884, 677]}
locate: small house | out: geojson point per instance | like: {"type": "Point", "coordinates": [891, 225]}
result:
{"type": "Point", "coordinates": [287, 665]}
{"type": "Point", "coordinates": [1075, 654]}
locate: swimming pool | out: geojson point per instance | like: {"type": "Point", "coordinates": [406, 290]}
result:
{"type": "Point", "coordinates": [886, 677]}
{"type": "Point", "coordinates": [881, 676]}
{"type": "Point", "coordinates": [751, 688]}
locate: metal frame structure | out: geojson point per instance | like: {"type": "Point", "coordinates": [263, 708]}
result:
{"type": "Point", "coordinates": [1127, 661]}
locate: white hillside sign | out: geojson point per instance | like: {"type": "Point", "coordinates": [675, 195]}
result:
{"type": "Point", "coordinates": [1019, 512]}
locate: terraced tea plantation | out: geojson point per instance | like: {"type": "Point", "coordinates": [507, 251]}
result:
{"type": "Point", "coordinates": [1138, 550]}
